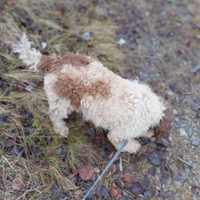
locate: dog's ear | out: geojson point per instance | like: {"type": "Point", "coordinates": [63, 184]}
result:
{"type": "Point", "coordinates": [163, 126]}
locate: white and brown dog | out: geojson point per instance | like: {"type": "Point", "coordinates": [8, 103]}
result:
{"type": "Point", "coordinates": [128, 109]}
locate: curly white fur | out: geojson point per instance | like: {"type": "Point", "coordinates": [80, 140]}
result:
{"type": "Point", "coordinates": [131, 109]}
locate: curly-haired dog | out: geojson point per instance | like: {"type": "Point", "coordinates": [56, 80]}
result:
{"type": "Point", "coordinates": [128, 109]}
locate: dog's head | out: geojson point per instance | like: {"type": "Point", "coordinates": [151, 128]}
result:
{"type": "Point", "coordinates": [162, 128]}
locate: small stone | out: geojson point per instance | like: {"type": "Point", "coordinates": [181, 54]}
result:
{"type": "Point", "coordinates": [121, 42]}
{"type": "Point", "coordinates": [59, 151]}
{"type": "Point", "coordinates": [119, 183]}
{"type": "Point", "coordinates": [142, 76]}
{"type": "Point", "coordinates": [146, 181]}
{"type": "Point", "coordinates": [3, 118]}
{"type": "Point", "coordinates": [130, 168]}
{"type": "Point", "coordinates": [136, 189]}
{"type": "Point", "coordinates": [29, 129]}
{"type": "Point", "coordinates": [86, 36]}
{"type": "Point", "coordinates": [154, 159]}
{"type": "Point", "coordinates": [177, 177]}
{"type": "Point", "coordinates": [91, 132]}
{"type": "Point", "coordinates": [164, 141]}
{"type": "Point", "coordinates": [180, 125]}
{"type": "Point", "coordinates": [194, 166]}
{"type": "Point", "coordinates": [193, 107]}
{"type": "Point", "coordinates": [195, 141]}
{"type": "Point", "coordinates": [44, 45]}
{"type": "Point", "coordinates": [162, 193]}
{"type": "Point", "coordinates": [189, 131]}
{"type": "Point", "coordinates": [152, 171]}
{"type": "Point", "coordinates": [178, 184]}
{"type": "Point", "coordinates": [131, 46]}
{"type": "Point", "coordinates": [187, 170]}
{"type": "Point", "coordinates": [183, 132]}
{"type": "Point", "coordinates": [175, 112]}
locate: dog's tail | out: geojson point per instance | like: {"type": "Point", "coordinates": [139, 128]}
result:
{"type": "Point", "coordinates": [30, 56]}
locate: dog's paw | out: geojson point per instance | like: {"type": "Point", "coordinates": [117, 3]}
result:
{"type": "Point", "coordinates": [63, 131]}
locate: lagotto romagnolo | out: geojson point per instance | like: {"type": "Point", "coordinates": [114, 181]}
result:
{"type": "Point", "coordinates": [128, 109]}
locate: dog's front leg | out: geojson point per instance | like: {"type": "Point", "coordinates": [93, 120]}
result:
{"type": "Point", "coordinates": [59, 125]}
{"type": "Point", "coordinates": [59, 110]}
{"type": "Point", "coordinates": [131, 147]}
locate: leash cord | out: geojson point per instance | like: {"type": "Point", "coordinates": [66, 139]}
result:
{"type": "Point", "coordinates": [109, 164]}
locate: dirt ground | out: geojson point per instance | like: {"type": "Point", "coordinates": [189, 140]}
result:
{"type": "Point", "coordinates": [161, 48]}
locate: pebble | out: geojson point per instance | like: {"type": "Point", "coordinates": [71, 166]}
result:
{"type": "Point", "coordinates": [195, 141]}
{"type": "Point", "coordinates": [184, 175]}
{"type": "Point", "coordinates": [178, 184]}
{"type": "Point", "coordinates": [180, 125]}
{"type": "Point", "coordinates": [189, 131]}
{"type": "Point", "coordinates": [29, 129]}
{"type": "Point", "coordinates": [187, 170]}
{"type": "Point", "coordinates": [130, 168]}
{"type": "Point", "coordinates": [91, 132]}
{"type": "Point", "coordinates": [194, 166]}
{"type": "Point", "coordinates": [183, 132]}
{"type": "Point", "coordinates": [175, 112]}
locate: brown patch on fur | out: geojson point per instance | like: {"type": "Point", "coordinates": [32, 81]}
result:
{"type": "Point", "coordinates": [53, 63]}
{"type": "Point", "coordinates": [74, 89]}
{"type": "Point", "coordinates": [162, 128]}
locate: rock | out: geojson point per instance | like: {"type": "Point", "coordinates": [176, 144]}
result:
{"type": "Point", "coordinates": [131, 46]}
{"type": "Point", "coordinates": [178, 184]}
{"type": "Point", "coordinates": [86, 36]}
{"type": "Point", "coordinates": [194, 166]}
{"type": "Point", "coordinates": [195, 141]}
{"type": "Point", "coordinates": [91, 132]}
{"type": "Point", "coordinates": [193, 107]}
{"type": "Point", "coordinates": [102, 191]}
{"type": "Point", "coordinates": [119, 183]}
{"type": "Point", "coordinates": [162, 193]}
{"type": "Point", "coordinates": [154, 159]}
{"type": "Point", "coordinates": [177, 177]}
{"type": "Point", "coordinates": [136, 189]}
{"type": "Point", "coordinates": [29, 129]}
{"type": "Point", "coordinates": [152, 171]}
{"type": "Point", "coordinates": [180, 125]}
{"type": "Point", "coordinates": [146, 181]}
{"type": "Point", "coordinates": [189, 131]}
{"type": "Point", "coordinates": [130, 168]}
{"type": "Point", "coordinates": [121, 42]}
{"type": "Point", "coordinates": [175, 112]}
{"type": "Point", "coordinates": [183, 132]}
{"type": "Point", "coordinates": [3, 118]}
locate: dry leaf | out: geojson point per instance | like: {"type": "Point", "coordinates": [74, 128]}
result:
{"type": "Point", "coordinates": [22, 174]}
{"type": "Point", "coordinates": [112, 168]}
{"type": "Point", "coordinates": [86, 172]}
{"type": "Point", "coordinates": [113, 192]}
{"type": "Point", "coordinates": [127, 180]}
{"type": "Point", "coordinates": [17, 184]}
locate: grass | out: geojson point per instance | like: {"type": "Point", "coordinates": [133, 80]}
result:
{"type": "Point", "coordinates": [60, 25]}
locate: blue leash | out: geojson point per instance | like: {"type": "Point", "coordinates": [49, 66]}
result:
{"type": "Point", "coordinates": [109, 164]}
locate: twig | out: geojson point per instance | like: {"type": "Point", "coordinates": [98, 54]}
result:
{"type": "Point", "coordinates": [11, 165]}
{"type": "Point", "coordinates": [183, 161]}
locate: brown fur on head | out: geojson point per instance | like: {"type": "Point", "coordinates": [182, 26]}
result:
{"type": "Point", "coordinates": [163, 127]}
